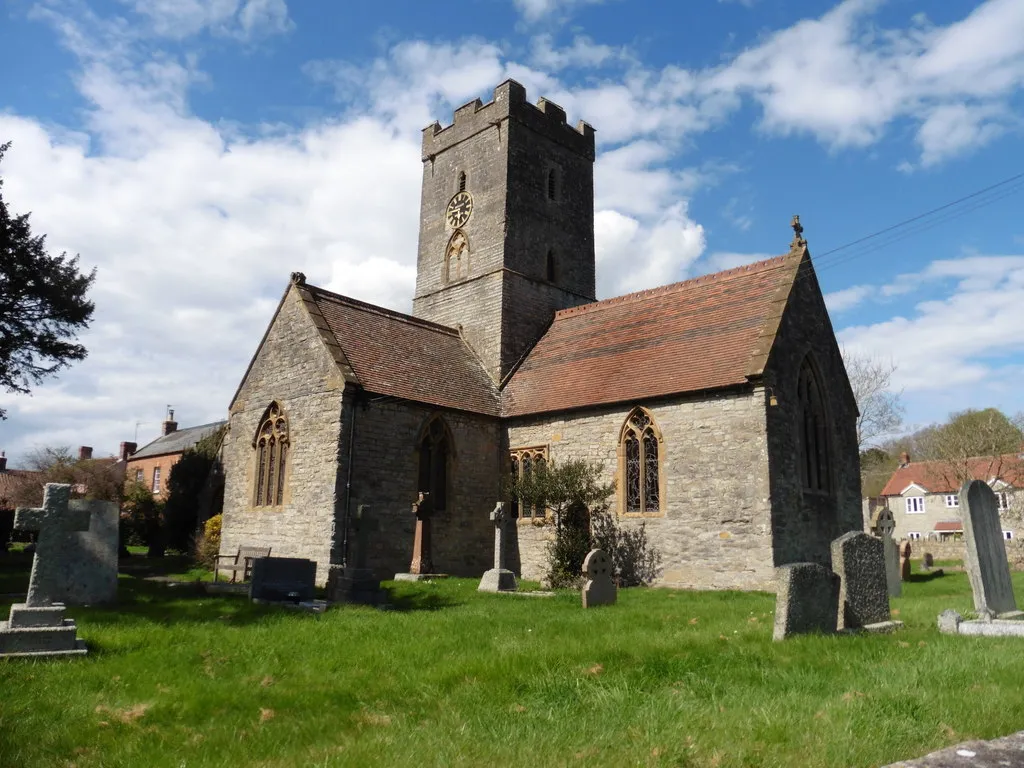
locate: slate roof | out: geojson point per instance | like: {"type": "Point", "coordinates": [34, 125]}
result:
{"type": "Point", "coordinates": [389, 353]}
{"type": "Point", "coordinates": [702, 334]}
{"type": "Point", "coordinates": [177, 441]}
{"type": "Point", "coordinates": [939, 477]}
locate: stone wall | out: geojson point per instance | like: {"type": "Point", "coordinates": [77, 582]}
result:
{"type": "Point", "coordinates": [385, 473]}
{"type": "Point", "coordinates": [294, 368]}
{"type": "Point", "coordinates": [805, 523]}
{"type": "Point", "coordinates": [956, 550]}
{"type": "Point", "coordinates": [714, 531]}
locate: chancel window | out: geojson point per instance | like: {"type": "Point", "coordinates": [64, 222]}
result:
{"type": "Point", "coordinates": [271, 445]}
{"type": "Point", "coordinates": [522, 463]}
{"type": "Point", "coordinates": [640, 450]}
{"type": "Point", "coordinates": [435, 451]}
{"type": "Point", "coordinates": [814, 434]}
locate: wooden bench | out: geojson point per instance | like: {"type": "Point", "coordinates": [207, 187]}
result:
{"type": "Point", "coordinates": [240, 562]}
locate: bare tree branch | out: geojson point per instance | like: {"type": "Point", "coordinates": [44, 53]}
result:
{"type": "Point", "coordinates": [881, 409]}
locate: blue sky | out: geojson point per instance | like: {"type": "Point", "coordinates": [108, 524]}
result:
{"type": "Point", "coordinates": [198, 152]}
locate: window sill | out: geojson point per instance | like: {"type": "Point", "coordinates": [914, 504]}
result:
{"type": "Point", "coordinates": [642, 514]}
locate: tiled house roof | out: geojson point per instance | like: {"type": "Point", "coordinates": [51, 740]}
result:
{"type": "Point", "coordinates": [176, 442]}
{"type": "Point", "coordinates": [711, 332]}
{"type": "Point", "coordinates": [940, 477]}
{"type": "Point", "coordinates": [10, 481]}
{"type": "Point", "coordinates": [389, 353]}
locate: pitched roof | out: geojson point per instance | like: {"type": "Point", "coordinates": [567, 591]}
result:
{"type": "Point", "coordinates": [711, 332]}
{"type": "Point", "coordinates": [10, 481]}
{"type": "Point", "coordinates": [176, 442]}
{"type": "Point", "coordinates": [389, 353]}
{"type": "Point", "coordinates": [941, 477]}
{"type": "Point", "coordinates": [949, 525]}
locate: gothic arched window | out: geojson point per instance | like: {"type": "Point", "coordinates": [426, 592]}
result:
{"type": "Point", "coordinates": [271, 446]}
{"type": "Point", "coordinates": [523, 462]}
{"type": "Point", "coordinates": [812, 423]}
{"type": "Point", "coordinates": [456, 257]}
{"type": "Point", "coordinates": [640, 450]}
{"type": "Point", "coordinates": [435, 450]}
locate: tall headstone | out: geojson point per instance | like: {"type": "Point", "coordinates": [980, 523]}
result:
{"type": "Point", "coordinates": [859, 560]}
{"type": "Point", "coordinates": [806, 600]}
{"type": "Point", "coordinates": [885, 524]}
{"type": "Point", "coordinates": [89, 558]}
{"type": "Point", "coordinates": [499, 578]}
{"type": "Point", "coordinates": [422, 557]}
{"type": "Point", "coordinates": [599, 589]}
{"type": "Point", "coordinates": [37, 627]}
{"type": "Point", "coordinates": [355, 583]}
{"type": "Point", "coordinates": [905, 550]}
{"type": "Point", "coordinates": [986, 563]}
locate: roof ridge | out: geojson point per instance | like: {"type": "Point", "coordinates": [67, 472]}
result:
{"type": "Point", "coordinates": [646, 293]}
{"type": "Point", "coordinates": [376, 309]}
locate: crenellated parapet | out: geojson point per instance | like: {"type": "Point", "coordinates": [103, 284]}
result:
{"type": "Point", "coordinates": [509, 103]}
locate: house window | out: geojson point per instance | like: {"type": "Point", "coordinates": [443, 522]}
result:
{"type": "Point", "coordinates": [553, 184]}
{"type": "Point", "coordinates": [272, 447]}
{"type": "Point", "coordinates": [640, 452]}
{"type": "Point", "coordinates": [914, 536]}
{"type": "Point", "coordinates": [550, 267]}
{"type": "Point", "coordinates": [140, 476]}
{"type": "Point", "coordinates": [156, 479]}
{"type": "Point", "coordinates": [952, 500]}
{"type": "Point", "coordinates": [1008, 535]}
{"type": "Point", "coordinates": [462, 181]}
{"type": "Point", "coordinates": [915, 505]}
{"type": "Point", "coordinates": [1002, 502]}
{"type": "Point", "coordinates": [814, 433]}
{"type": "Point", "coordinates": [522, 463]}
{"type": "Point", "coordinates": [434, 449]}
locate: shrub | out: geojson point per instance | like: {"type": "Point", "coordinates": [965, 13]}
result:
{"type": "Point", "coordinates": [208, 546]}
{"type": "Point", "coordinates": [635, 561]}
{"type": "Point", "coordinates": [142, 519]}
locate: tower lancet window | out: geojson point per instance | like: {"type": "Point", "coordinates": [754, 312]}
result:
{"type": "Point", "coordinates": [553, 184]}
{"type": "Point", "coordinates": [462, 181]}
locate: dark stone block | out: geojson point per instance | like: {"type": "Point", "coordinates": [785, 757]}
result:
{"type": "Point", "coordinates": [807, 600]}
{"type": "Point", "coordinates": [282, 579]}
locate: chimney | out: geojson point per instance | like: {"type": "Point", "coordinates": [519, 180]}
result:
{"type": "Point", "coordinates": [904, 459]}
{"type": "Point", "coordinates": [170, 425]}
{"type": "Point", "coordinates": [3, 461]}
{"type": "Point", "coordinates": [84, 452]}
{"type": "Point", "coordinates": [127, 449]}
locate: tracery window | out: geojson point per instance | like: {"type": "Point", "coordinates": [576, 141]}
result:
{"type": "Point", "coordinates": [456, 257]}
{"type": "Point", "coordinates": [272, 446]}
{"type": "Point", "coordinates": [435, 450]}
{"type": "Point", "coordinates": [641, 451]}
{"type": "Point", "coordinates": [812, 423]}
{"type": "Point", "coordinates": [522, 462]}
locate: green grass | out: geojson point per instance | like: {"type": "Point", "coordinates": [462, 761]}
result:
{"type": "Point", "coordinates": [455, 678]}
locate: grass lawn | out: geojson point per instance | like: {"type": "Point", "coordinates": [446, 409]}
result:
{"type": "Point", "coordinates": [456, 678]}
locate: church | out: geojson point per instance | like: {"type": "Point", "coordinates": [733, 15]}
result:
{"type": "Point", "coordinates": [720, 405]}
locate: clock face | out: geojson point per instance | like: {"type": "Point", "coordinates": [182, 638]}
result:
{"type": "Point", "coordinates": [460, 208]}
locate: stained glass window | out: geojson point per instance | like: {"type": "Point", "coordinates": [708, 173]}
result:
{"type": "Point", "coordinates": [813, 431]}
{"type": "Point", "coordinates": [271, 446]}
{"type": "Point", "coordinates": [641, 457]}
{"type": "Point", "coordinates": [433, 470]}
{"type": "Point", "coordinates": [633, 472]}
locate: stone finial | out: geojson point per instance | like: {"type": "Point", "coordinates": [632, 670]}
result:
{"type": "Point", "coordinates": [298, 278]}
{"type": "Point", "coordinates": [798, 234]}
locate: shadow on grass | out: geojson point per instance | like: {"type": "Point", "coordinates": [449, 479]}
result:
{"type": "Point", "coordinates": [930, 576]}
{"type": "Point", "coordinates": [419, 600]}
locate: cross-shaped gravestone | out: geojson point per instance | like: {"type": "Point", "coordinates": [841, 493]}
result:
{"type": "Point", "coordinates": [363, 524]}
{"type": "Point", "coordinates": [499, 516]}
{"type": "Point", "coordinates": [885, 524]}
{"type": "Point", "coordinates": [422, 562]}
{"type": "Point", "coordinates": [51, 520]}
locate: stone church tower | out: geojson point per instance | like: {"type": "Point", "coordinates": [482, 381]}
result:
{"type": "Point", "coordinates": [506, 223]}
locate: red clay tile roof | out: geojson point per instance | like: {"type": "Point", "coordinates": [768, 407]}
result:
{"type": "Point", "coordinates": [10, 480]}
{"type": "Point", "coordinates": [940, 477]}
{"type": "Point", "coordinates": [394, 354]}
{"type": "Point", "coordinates": [949, 525]}
{"type": "Point", "coordinates": [702, 334]}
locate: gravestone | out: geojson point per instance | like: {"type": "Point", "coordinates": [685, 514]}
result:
{"type": "Point", "coordinates": [599, 589]}
{"type": "Point", "coordinates": [986, 563]}
{"type": "Point", "coordinates": [89, 557]}
{"type": "Point", "coordinates": [806, 600]}
{"type": "Point", "coordinates": [885, 524]}
{"type": "Point", "coordinates": [37, 627]}
{"type": "Point", "coordinates": [859, 560]}
{"type": "Point", "coordinates": [905, 550]}
{"type": "Point", "coordinates": [355, 583]}
{"type": "Point", "coordinates": [499, 578]}
{"type": "Point", "coordinates": [929, 562]}
{"type": "Point", "coordinates": [282, 579]}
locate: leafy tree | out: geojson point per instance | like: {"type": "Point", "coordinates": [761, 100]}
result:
{"type": "Point", "coordinates": [876, 467]}
{"type": "Point", "coordinates": [99, 479]}
{"type": "Point", "coordinates": [142, 519]}
{"type": "Point", "coordinates": [973, 434]}
{"type": "Point", "coordinates": [43, 305]}
{"type": "Point", "coordinates": [189, 482]}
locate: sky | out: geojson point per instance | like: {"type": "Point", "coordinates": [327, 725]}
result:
{"type": "Point", "coordinates": [196, 152]}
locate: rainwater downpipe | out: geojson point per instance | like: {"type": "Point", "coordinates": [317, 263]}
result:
{"type": "Point", "coordinates": [348, 480]}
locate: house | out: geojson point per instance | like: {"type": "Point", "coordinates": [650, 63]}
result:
{"type": "Point", "coordinates": [719, 405]}
{"type": "Point", "coordinates": [151, 465]}
{"type": "Point", "coordinates": [924, 496]}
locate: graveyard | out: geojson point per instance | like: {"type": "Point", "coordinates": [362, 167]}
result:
{"type": "Point", "coordinates": [454, 676]}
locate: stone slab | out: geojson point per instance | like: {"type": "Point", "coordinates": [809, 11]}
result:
{"type": "Point", "coordinates": [38, 639]}
{"type": "Point", "coordinates": [498, 580]}
{"type": "Point", "coordinates": [950, 622]}
{"type": "Point", "coordinates": [883, 627]}
{"type": "Point", "coordinates": [806, 600]}
{"type": "Point", "coordinates": [419, 576]}
{"type": "Point", "coordinates": [283, 579]}
{"type": "Point", "coordinates": [23, 616]}
{"type": "Point", "coordinates": [859, 560]}
{"type": "Point", "coordinates": [985, 561]}
{"type": "Point", "coordinates": [997, 753]}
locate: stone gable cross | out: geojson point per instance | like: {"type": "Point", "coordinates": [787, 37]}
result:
{"type": "Point", "coordinates": [363, 523]}
{"type": "Point", "coordinates": [499, 516]}
{"type": "Point", "coordinates": [51, 520]}
{"type": "Point", "coordinates": [422, 561]}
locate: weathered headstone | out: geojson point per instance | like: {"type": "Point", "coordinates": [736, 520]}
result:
{"type": "Point", "coordinates": [928, 562]}
{"type": "Point", "coordinates": [859, 559]}
{"type": "Point", "coordinates": [806, 600]}
{"type": "Point", "coordinates": [986, 563]}
{"type": "Point", "coordinates": [885, 524]}
{"type": "Point", "coordinates": [37, 627]}
{"type": "Point", "coordinates": [905, 550]}
{"type": "Point", "coordinates": [499, 578]}
{"type": "Point", "coordinates": [599, 589]}
{"type": "Point", "coordinates": [283, 579]}
{"type": "Point", "coordinates": [89, 557]}
{"type": "Point", "coordinates": [355, 583]}
{"type": "Point", "coordinates": [422, 557]}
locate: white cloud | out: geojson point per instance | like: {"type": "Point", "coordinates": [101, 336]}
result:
{"type": "Point", "coordinates": [535, 10]}
{"type": "Point", "coordinates": [847, 298]}
{"type": "Point", "coordinates": [583, 52]}
{"type": "Point", "coordinates": [248, 20]}
{"type": "Point", "coordinates": [720, 260]}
